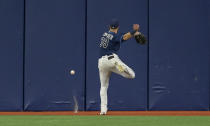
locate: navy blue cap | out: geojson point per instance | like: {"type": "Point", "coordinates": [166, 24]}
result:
{"type": "Point", "coordinates": [114, 23]}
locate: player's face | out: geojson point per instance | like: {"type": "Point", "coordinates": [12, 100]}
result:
{"type": "Point", "coordinates": [114, 30]}
{"type": "Point", "coordinates": [117, 29]}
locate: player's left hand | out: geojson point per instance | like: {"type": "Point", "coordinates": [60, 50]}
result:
{"type": "Point", "coordinates": [137, 33]}
{"type": "Point", "coordinates": [140, 38]}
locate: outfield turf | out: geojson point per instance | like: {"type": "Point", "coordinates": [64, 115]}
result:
{"type": "Point", "coordinates": [32, 120]}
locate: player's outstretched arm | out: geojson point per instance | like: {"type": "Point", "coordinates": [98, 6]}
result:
{"type": "Point", "coordinates": [127, 36]}
{"type": "Point", "coordinates": [131, 34]}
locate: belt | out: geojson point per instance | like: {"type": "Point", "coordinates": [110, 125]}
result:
{"type": "Point", "coordinates": [110, 57]}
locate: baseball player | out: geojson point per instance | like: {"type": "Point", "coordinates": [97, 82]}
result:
{"type": "Point", "coordinates": [109, 61]}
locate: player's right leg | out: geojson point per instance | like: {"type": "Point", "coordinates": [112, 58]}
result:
{"type": "Point", "coordinates": [104, 74]}
{"type": "Point", "coordinates": [104, 79]}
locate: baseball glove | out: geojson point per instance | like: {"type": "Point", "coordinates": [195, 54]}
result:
{"type": "Point", "coordinates": [140, 39]}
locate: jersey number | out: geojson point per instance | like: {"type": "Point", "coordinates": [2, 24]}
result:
{"type": "Point", "coordinates": [104, 42]}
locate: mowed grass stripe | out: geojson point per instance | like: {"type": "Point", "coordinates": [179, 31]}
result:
{"type": "Point", "coordinates": [104, 120]}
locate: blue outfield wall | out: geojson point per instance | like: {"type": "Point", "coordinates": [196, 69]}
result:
{"type": "Point", "coordinates": [172, 70]}
{"type": "Point", "coordinates": [11, 53]}
{"type": "Point", "coordinates": [178, 55]}
{"type": "Point", "coordinates": [55, 45]}
{"type": "Point", "coordinates": [208, 10]}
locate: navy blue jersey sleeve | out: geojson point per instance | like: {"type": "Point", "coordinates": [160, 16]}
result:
{"type": "Point", "coordinates": [119, 37]}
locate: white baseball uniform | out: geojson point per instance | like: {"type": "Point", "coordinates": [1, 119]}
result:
{"type": "Point", "coordinates": [106, 67]}
{"type": "Point", "coordinates": [110, 62]}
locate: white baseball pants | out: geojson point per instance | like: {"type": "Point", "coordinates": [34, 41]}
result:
{"type": "Point", "coordinates": [106, 67]}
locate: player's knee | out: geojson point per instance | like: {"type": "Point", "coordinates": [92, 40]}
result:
{"type": "Point", "coordinates": [132, 75]}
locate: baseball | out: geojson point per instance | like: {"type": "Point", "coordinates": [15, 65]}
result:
{"type": "Point", "coordinates": [72, 72]}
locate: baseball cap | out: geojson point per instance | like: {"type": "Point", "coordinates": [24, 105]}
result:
{"type": "Point", "coordinates": [114, 23]}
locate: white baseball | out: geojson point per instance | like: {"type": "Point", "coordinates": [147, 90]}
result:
{"type": "Point", "coordinates": [72, 72]}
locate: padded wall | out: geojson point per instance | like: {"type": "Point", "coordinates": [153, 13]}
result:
{"type": "Point", "coordinates": [123, 94]}
{"type": "Point", "coordinates": [178, 55]}
{"type": "Point", "coordinates": [55, 44]}
{"type": "Point", "coordinates": [11, 53]}
{"type": "Point", "coordinates": [178, 64]}
{"type": "Point", "coordinates": [209, 44]}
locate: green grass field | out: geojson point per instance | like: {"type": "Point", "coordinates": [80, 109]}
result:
{"type": "Point", "coordinates": [104, 120]}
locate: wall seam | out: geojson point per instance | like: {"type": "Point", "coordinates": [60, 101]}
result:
{"type": "Point", "coordinates": [148, 65]}
{"type": "Point", "coordinates": [85, 90]}
{"type": "Point", "coordinates": [24, 32]}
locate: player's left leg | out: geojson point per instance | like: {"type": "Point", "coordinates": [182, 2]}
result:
{"type": "Point", "coordinates": [122, 69]}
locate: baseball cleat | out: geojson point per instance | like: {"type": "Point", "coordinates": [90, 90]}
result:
{"type": "Point", "coordinates": [119, 67]}
{"type": "Point", "coordinates": [102, 113]}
